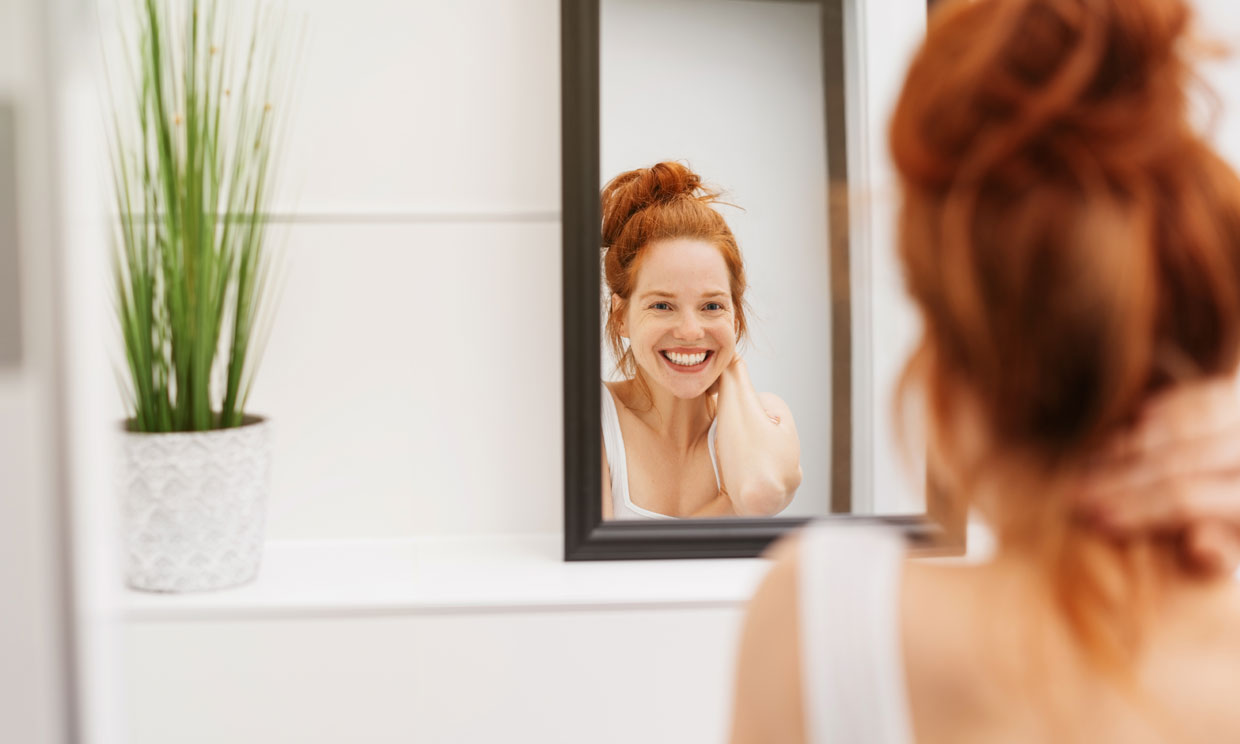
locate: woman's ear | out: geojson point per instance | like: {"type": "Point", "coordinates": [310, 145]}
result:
{"type": "Point", "coordinates": [621, 326]}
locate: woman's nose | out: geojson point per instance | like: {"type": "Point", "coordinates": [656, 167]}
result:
{"type": "Point", "coordinates": [689, 328]}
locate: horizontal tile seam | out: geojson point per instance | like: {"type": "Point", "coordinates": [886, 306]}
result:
{"type": "Point", "coordinates": [397, 217]}
{"type": "Point", "coordinates": [410, 217]}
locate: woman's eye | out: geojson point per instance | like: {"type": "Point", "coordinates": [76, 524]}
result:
{"type": "Point", "coordinates": [660, 306]}
{"type": "Point", "coordinates": [714, 306]}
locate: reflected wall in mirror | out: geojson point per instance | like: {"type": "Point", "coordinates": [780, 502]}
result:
{"type": "Point", "coordinates": [731, 93]}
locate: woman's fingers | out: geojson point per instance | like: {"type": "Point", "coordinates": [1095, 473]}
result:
{"type": "Point", "coordinates": [1213, 548]}
{"type": "Point", "coordinates": [1193, 429]}
{"type": "Point", "coordinates": [1171, 505]}
{"type": "Point", "coordinates": [1188, 411]}
{"type": "Point", "coordinates": [1209, 453]}
{"type": "Point", "coordinates": [1176, 472]}
{"type": "Point", "coordinates": [1184, 413]}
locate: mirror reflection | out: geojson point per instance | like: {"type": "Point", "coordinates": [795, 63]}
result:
{"type": "Point", "coordinates": [685, 433]}
{"type": "Point", "coordinates": [716, 295]}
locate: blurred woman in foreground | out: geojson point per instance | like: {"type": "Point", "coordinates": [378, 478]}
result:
{"type": "Point", "coordinates": [1073, 247]}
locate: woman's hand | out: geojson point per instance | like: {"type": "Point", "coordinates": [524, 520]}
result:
{"type": "Point", "coordinates": [728, 371]}
{"type": "Point", "coordinates": [1177, 472]}
{"type": "Point", "coordinates": [735, 374]}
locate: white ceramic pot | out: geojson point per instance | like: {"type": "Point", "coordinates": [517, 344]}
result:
{"type": "Point", "coordinates": [195, 506]}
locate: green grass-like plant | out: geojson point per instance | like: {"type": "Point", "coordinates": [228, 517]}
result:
{"type": "Point", "coordinates": [194, 136]}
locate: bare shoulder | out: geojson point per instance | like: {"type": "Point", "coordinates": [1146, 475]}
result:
{"type": "Point", "coordinates": [767, 706]}
{"type": "Point", "coordinates": [948, 647]}
{"type": "Point", "coordinates": [933, 599]}
{"type": "Point", "coordinates": [1193, 665]}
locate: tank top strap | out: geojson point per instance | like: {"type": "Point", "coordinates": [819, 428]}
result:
{"type": "Point", "coordinates": [617, 461]}
{"type": "Point", "coordinates": [613, 445]}
{"type": "Point", "coordinates": [852, 666]}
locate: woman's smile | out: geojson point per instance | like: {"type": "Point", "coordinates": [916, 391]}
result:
{"type": "Point", "coordinates": [686, 360]}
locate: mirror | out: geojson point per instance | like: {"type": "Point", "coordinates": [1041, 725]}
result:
{"type": "Point", "coordinates": [749, 97]}
{"type": "Point", "coordinates": [746, 113]}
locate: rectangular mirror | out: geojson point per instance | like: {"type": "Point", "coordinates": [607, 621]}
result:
{"type": "Point", "coordinates": [749, 97]}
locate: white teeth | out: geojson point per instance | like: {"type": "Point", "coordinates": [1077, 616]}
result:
{"type": "Point", "coordinates": [686, 360]}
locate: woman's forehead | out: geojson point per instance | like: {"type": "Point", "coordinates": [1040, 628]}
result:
{"type": "Point", "coordinates": [682, 266]}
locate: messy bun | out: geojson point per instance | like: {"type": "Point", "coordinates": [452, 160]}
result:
{"type": "Point", "coordinates": [633, 191]}
{"type": "Point", "coordinates": [663, 202]}
{"type": "Point", "coordinates": [1072, 243]}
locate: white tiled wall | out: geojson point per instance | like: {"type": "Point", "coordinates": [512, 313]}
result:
{"type": "Point", "coordinates": [34, 624]}
{"type": "Point", "coordinates": [414, 378]}
{"type": "Point", "coordinates": [597, 676]}
{"type": "Point", "coordinates": [427, 107]}
{"type": "Point", "coordinates": [413, 372]}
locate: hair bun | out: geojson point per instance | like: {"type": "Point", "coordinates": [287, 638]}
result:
{"type": "Point", "coordinates": [632, 191]}
{"type": "Point", "coordinates": [1020, 87]}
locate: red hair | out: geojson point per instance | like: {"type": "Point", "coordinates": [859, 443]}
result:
{"type": "Point", "coordinates": [663, 202]}
{"type": "Point", "coordinates": [1073, 246]}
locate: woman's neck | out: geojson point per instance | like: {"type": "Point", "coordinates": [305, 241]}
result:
{"type": "Point", "coordinates": [681, 422]}
{"type": "Point", "coordinates": [1037, 523]}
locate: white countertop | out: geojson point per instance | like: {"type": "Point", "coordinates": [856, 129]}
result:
{"type": "Point", "coordinates": [456, 574]}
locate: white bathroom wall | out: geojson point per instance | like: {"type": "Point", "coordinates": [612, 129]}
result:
{"type": "Point", "coordinates": [45, 649]}
{"type": "Point", "coordinates": [601, 676]}
{"type": "Point", "coordinates": [413, 373]}
{"type": "Point", "coordinates": [1219, 20]}
{"type": "Point", "coordinates": [880, 38]}
{"type": "Point", "coordinates": [34, 657]}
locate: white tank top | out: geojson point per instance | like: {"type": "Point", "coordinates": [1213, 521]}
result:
{"type": "Point", "coordinates": [622, 507]}
{"type": "Point", "coordinates": [852, 666]}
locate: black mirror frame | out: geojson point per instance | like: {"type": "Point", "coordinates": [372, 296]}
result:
{"type": "Point", "coordinates": [586, 535]}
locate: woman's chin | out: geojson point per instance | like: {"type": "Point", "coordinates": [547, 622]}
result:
{"type": "Point", "coordinates": [689, 394]}
{"type": "Point", "coordinates": [685, 389]}
{"type": "Point", "coordinates": [690, 391]}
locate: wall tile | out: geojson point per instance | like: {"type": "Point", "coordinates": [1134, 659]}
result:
{"type": "Point", "coordinates": [414, 380]}
{"type": "Point", "coordinates": [426, 106]}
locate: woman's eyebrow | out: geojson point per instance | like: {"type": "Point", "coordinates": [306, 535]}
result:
{"type": "Point", "coordinates": [657, 293]}
{"type": "Point", "coordinates": [672, 295]}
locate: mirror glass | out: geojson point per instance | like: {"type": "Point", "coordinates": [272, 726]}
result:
{"type": "Point", "coordinates": [734, 91]}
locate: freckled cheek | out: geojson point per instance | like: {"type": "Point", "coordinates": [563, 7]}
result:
{"type": "Point", "coordinates": [724, 331]}
{"type": "Point", "coordinates": [646, 335]}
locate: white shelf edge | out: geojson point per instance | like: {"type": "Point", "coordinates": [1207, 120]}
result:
{"type": "Point", "coordinates": [448, 575]}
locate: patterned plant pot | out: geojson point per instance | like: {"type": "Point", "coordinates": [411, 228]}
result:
{"type": "Point", "coordinates": [195, 506]}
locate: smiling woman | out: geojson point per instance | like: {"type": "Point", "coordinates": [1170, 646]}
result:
{"type": "Point", "coordinates": [685, 434]}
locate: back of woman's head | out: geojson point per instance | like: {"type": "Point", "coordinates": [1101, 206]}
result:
{"type": "Point", "coordinates": [1072, 243]}
{"type": "Point", "coordinates": [664, 202]}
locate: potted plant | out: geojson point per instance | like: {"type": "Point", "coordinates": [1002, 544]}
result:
{"type": "Point", "coordinates": [194, 135]}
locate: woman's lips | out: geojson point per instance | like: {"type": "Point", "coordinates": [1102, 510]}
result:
{"type": "Point", "coordinates": [673, 358]}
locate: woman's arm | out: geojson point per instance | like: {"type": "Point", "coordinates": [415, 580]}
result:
{"type": "Point", "coordinates": [757, 446]}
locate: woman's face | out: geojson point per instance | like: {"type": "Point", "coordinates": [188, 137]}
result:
{"type": "Point", "coordinates": [680, 321]}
